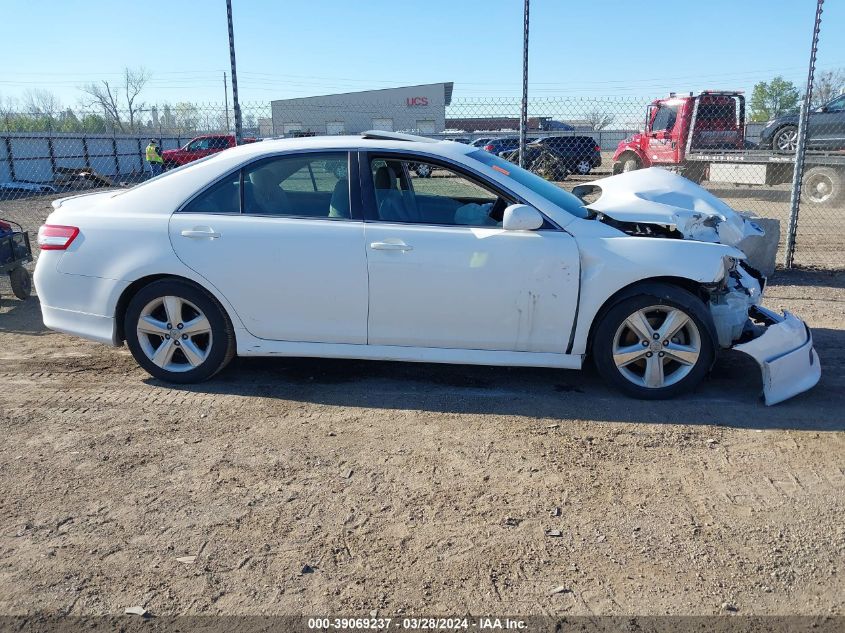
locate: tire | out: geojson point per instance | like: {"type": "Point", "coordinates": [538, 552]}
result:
{"type": "Point", "coordinates": [629, 162]}
{"type": "Point", "coordinates": [638, 370]}
{"type": "Point", "coordinates": [823, 186]}
{"type": "Point", "coordinates": [423, 171]}
{"type": "Point", "coordinates": [21, 283]}
{"type": "Point", "coordinates": [583, 167]}
{"type": "Point", "coordinates": [785, 140]}
{"type": "Point", "coordinates": [193, 353]}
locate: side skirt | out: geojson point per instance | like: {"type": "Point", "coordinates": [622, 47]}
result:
{"type": "Point", "coordinates": [257, 347]}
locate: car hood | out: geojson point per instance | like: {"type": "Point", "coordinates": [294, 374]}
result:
{"type": "Point", "coordinates": [660, 197]}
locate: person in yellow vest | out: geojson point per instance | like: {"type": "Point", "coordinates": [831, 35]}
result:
{"type": "Point", "coordinates": [154, 157]}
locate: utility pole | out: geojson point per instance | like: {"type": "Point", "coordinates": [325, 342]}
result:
{"type": "Point", "coordinates": [236, 106]}
{"type": "Point", "coordinates": [523, 115]}
{"type": "Point", "coordinates": [226, 100]}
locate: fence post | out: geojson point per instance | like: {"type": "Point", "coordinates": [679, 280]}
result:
{"type": "Point", "coordinates": [85, 152]}
{"type": "Point", "coordinates": [116, 159]}
{"type": "Point", "coordinates": [52, 152]}
{"type": "Point", "coordinates": [800, 150]}
{"type": "Point", "coordinates": [11, 159]}
{"type": "Point", "coordinates": [141, 154]}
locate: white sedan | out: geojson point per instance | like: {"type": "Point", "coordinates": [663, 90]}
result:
{"type": "Point", "coordinates": [335, 247]}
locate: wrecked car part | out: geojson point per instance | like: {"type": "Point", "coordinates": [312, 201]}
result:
{"type": "Point", "coordinates": [785, 353]}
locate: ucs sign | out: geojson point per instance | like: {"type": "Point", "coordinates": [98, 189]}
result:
{"type": "Point", "coordinates": [416, 101]}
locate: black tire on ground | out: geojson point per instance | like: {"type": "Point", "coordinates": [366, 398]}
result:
{"type": "Point", "coordinates": [785, 139]}
{"type": "Point", "coordinates": [21, 283]}
{"type": "Point", "coordinates": [613, 320]}
{"type": "Point", "coordinates": [221, 342]}
{"type": "Point", "coordinates": [823, 186]}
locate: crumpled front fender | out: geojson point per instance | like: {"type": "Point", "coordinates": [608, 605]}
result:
{"type": "Point", "coordinates": [785, 353]}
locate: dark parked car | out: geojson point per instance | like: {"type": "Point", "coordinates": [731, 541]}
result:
{"type": "Point", "coordinates": [825, 129]}
{"type": "Point", "coordinates": [502, 144]}
{"type": "Point", "coordinates": [581, 154]}
{"type": "Point", "coordinates": [480, 142]}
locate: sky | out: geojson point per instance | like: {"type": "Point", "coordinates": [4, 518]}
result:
{"type": "Point", "coordinates": [293, 48]}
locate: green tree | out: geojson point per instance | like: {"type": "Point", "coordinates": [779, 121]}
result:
{"type": "Point", "coordinates": [770, 100]}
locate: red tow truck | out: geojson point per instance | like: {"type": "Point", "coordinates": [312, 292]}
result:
{"type": "Point", "coordinates": [702, 137]}
{"type": "Point", "coordinates": [198, 148]}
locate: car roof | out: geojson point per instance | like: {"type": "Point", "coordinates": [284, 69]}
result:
{"type": "Point", "coordinates": [348, 142]}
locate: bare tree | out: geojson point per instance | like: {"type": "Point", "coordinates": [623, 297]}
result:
{"type": "Point", "coordinates": [119, 98]}
{"type": "Point", "coordinates": [597, 120]}
{"type": "Point", "coordinates": [42, 102]}
{"type": "Point", "coordinates": [828, 85]}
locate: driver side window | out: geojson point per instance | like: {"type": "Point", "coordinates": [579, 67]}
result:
{"type": "Point", "coordinates": [424, 193]}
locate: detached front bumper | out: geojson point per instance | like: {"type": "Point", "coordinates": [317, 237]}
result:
{"type": "Point", "coordinates": [785, 354]}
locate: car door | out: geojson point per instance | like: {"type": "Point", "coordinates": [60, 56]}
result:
{"type": "Point", "coordinates": [444, 274]}
{"type": "Point", "coordinates": [826, 126]}
{"type": "Point", "coordinates": [278, 239]}
{"type": "Point", "coordinates": [662, 140]}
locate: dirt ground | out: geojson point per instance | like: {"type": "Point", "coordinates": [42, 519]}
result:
{"type": "Point", "coordinates": [344, 487]}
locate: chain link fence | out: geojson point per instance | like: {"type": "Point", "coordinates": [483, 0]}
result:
{"type": "Point", "coordinates": [708, 137]}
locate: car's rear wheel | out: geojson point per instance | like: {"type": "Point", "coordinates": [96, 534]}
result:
{"type": "Point", "coordinates": [823, 186]}
{"type": "Point", "coordinates": [177, 332]}
{"type": "Point", "coordinates": [583, 167]}
{"type": "Point", "coordinates": [423, 170]}
{"type": "Point", "coordinates": [656, 344]}
{"type": "Point", "coordinates": [786, 139]}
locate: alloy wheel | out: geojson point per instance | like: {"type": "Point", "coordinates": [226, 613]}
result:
{"type": "Point", "coordinates": [174, 334]}
{"type": "Point", "coordinates": [583, 167]}
{"type": "Point", "coordinates": [788, 140]}
{"type": "Point", "coordinates": [656, 346]}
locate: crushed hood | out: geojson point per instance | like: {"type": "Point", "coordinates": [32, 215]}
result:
{"type": "Point", "coordinates": [658, 196]}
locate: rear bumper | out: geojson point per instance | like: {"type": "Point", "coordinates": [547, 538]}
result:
{"type": "Point", "coordinates": [91, 326]}
{"type": "Point", "coordinates": [786, 356]}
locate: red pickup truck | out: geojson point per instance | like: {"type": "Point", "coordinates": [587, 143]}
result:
{"type": "Point", "coordinates": [199, 147]}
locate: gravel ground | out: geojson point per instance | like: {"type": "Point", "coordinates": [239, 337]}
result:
{"type": "Point", "coordinates": [316, 486]}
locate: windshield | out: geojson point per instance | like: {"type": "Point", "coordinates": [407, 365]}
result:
{"type": "Point", "coordinates": [535, 183]}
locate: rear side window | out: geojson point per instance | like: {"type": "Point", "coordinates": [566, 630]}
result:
{"type": "Point", "coordinates": [223, 197]}
{"type": "Point", "coordinates": [310, 185]}
{"type": "Point", "coordinates": [301, 185]}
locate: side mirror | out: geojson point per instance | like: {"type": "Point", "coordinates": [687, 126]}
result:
{"type": "Point", "coordinates": [521, 217]}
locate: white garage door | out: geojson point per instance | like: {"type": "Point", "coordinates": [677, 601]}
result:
{"type": "Point", "coordinates": [383, 124]}
{"type": "Point", "coordinates": [334, 127]}
{"type": "Point", "coordinates": [426, 126]}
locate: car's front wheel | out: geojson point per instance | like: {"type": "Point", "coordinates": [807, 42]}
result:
{"type": "Point", "coordinates": [656, 344]}
{"type": "Point", "coordinates": [177, 332]}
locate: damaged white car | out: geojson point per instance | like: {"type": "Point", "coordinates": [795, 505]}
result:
{"type": "Point", "coordinates": [337, 247]}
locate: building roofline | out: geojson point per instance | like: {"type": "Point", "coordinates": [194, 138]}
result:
{"type": "Point", "coordinates": [448, 87]}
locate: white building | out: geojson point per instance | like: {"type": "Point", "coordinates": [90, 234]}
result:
{"type": "Point", "coordinates": [420, 109]}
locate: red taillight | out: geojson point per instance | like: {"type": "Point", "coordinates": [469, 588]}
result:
{"type": "Point", "coordinates": [488, 148]}
{"type": "Point", "coordinates": [53, 237]}
{"type": "Point", "coordinates": [597, 148]}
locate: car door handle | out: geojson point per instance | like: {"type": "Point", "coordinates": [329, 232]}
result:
{"type": "Point", "coordinates": [201, 233]}
{"type": "Point", "coordinates": [391, 246]}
